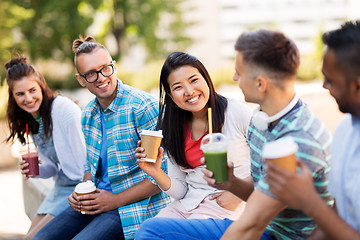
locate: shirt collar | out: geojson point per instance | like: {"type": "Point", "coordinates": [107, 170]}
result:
{"type": "Point", "coordinates": [355, 120]}
{"type": "Point", "coordinates": [113, 105]}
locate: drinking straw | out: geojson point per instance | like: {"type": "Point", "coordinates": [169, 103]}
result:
{"type": "Point", "coordinates": [210, 120]}
{"type": "Point", "coordinates": [27, 138]}
{"type": "Point", "coordinates": [210, 124]}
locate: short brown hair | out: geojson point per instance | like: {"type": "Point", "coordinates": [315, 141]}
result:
{"type": "Point", "coordinates": [271, 51]}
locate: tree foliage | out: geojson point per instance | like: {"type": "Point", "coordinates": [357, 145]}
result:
{"type": "Point", "coordinates": [155, 24]}
{"type": "Point", "coordinates": [45, 29]}
{"type": "Point", "coordinates": [10, 17]}
{"type": "Point", "coordinates": [51, 26]}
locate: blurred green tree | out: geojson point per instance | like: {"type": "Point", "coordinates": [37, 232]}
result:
{"type": "Point", "coordinates": [50, 26]}
{"type": "Point", "coordinates": [45, 29]}
{"type": "Point", "coordinates": [310, 66]}
{"type": "Point", "coordinates": [155, 24]}
{"type": "Point", "coordinates": [10, 16]}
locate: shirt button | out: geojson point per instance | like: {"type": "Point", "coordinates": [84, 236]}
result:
{"type": "Point", "coordinates": [351, 209]}
{"type": "Point", "coordinates": [95, 164]}
{"type": "Point", "coordinates": [99, 142]}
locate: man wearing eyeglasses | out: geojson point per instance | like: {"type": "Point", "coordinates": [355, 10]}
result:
{"type": "Point", "coordinates": [112, 122]}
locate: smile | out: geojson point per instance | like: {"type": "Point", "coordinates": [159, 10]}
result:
{"type": "Point", "coordinates": [194, 99]}
{"type": "Point", "coordinates": [103, 85]}
{"type": "Point", "coordinates": [31, 105]}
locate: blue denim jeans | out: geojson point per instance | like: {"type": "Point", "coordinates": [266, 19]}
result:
{"type": "Point", "coordinates": [73, 225]}
{"type": "Point", "coordinates": [181, 229]}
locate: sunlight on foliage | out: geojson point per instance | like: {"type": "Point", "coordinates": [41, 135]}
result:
{"type": "Point", "coordinates": [3, 100]}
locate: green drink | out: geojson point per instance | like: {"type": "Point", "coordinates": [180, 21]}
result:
{"type": "Point", "coordinates": [217, 163]}
{"type": "Point", "coordinates": [214, 147]}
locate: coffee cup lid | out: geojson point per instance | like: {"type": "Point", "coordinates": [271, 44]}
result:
{"type": "Point", "coordinates": [85, 187]}
{"type": "Point", "coordinates": [152, 133]}
{"type": "Point", "coordinates": [279, 148]}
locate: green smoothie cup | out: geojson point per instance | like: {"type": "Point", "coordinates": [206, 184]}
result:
{"type": "Point", "coordinates": [214, 147]}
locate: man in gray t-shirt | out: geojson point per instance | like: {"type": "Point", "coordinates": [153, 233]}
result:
{"type": "Point", "coordinates": [341, 69]}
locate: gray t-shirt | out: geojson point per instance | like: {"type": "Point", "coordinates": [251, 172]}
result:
{"type": "Point", "coordinates": [314, 142]}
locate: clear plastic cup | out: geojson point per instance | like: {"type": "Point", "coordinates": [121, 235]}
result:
{"type": "Point", "coordinates": [214, 147]}
{"type": "Point", "coordinates": [30, 155]}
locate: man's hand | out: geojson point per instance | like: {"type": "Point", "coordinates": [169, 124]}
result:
{"type": "Point", "coordinates": [98, 202]}
{"type": "Point", "coordinates": [294, 189]}
{"type": "Point", "coordinates": [242, 188]}
{"type": "Point", "coordinates": [211, 181]}
{"type": "Point", "coordinates": [73, 202]}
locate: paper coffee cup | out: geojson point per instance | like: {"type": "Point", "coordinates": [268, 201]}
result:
{"type": "Point", "coordinates": [84, 188]}
{"type": "Point", "coordinates": [282, 153]}
{"type": "Point", "coordinates": [150, 141]}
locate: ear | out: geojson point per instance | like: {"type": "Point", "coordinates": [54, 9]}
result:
{"type": "Point", "coordinates": [262, 83]}
{"type": "Point", "coordinates": [115, 67]}
{"type": "Point", "coordinates": [357, 84]}
{"type": "Point", "coordinates": [80, 79]}
{"type": "Point", "coordinates": [169, 94]}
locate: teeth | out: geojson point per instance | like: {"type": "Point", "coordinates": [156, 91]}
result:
{"type": "Point", "coordinates": [102, 86]}
{"type": "Point", "coordinates": [30, 105]}
{"type": "Point", "coordinates": [193, 99]}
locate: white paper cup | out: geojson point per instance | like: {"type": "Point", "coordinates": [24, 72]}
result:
{"type": "Point", "coordinates": [84, 188]}
{"type": "Point", "coordinates": [282, 153]}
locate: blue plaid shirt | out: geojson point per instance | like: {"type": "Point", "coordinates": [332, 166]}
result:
{"type": "Point", "coordinates": [130, 112]}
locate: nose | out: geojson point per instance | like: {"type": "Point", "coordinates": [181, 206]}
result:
{"type": "Point", "coordinates": [28, 97]}
{"type": "Point", "coordinates": [326, 85]}
{"type": "Point", "coordinates": [189, 90]}
{"type": "Point", "coordinates": [236, 77]}
{"type": "Point", "coordinates": [100, 77]}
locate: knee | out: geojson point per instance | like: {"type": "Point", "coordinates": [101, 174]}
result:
{"type": "Point", "coordinates": [148, 229]}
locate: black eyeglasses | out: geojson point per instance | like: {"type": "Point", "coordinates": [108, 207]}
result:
{"type": "Point", "coordinates": [93, 76]}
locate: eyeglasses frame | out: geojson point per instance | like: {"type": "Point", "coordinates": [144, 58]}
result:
{"type": "Point", "coordinates": [99, 71]}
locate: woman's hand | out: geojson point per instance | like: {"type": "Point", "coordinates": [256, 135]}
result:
{"type": "Point", "coordinates": [226, 200]}
{"type": "Point", "coordinates": [24, 167]}
{"type": "Point", "coordinates": [148, 167]}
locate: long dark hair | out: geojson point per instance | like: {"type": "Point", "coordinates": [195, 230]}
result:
{"type": "Point", "coordinates": [16, 69]}
{"type": "Point", "coordinates": [172, 119]}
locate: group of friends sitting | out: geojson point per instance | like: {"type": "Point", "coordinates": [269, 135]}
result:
{"type": "Point", "coordinates": [177, 197]}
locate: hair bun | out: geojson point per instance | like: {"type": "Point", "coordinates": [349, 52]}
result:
{"type": "Point", "coordinates": [15, 61]}
{"type": "Point", "coordinates": [78, 42]}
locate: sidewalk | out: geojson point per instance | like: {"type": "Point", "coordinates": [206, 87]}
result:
{"type": "Point", "coordinates": [13, 221]}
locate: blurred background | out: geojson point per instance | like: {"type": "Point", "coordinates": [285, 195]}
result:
{"type": "Point", "coordinates": [139, 34]}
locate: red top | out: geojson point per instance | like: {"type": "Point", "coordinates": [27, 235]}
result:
{"type": "Point", "coordinates": [193, 153]}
